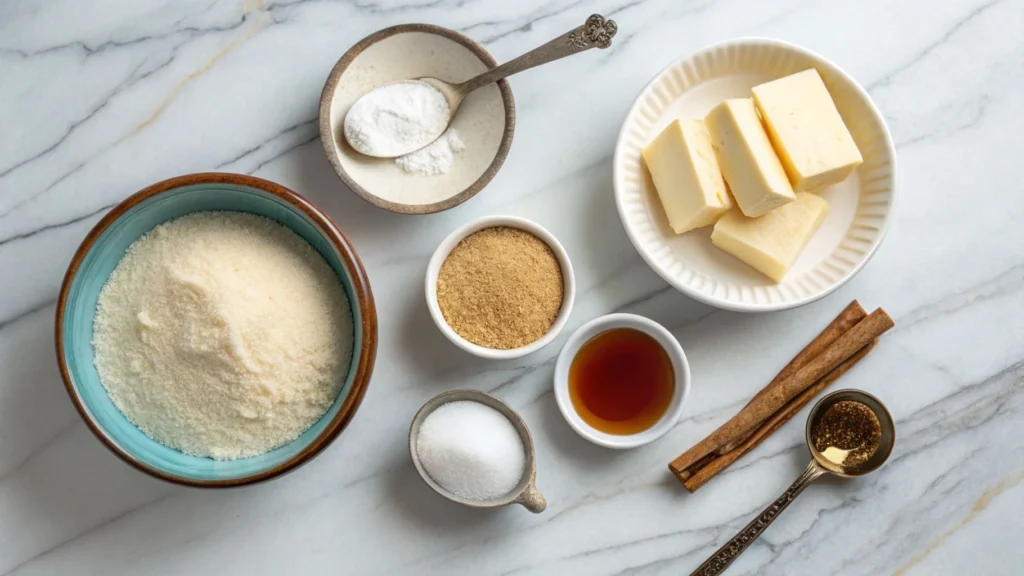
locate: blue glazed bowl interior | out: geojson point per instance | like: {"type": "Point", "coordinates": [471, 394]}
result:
{"type": "Point", "coordinates": [100, 261]}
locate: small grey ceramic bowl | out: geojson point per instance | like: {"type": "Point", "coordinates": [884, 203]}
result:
{"type": "Point", "coordinates": [485, 120]}
{"type": "Point", "coordinates": [524, 493]}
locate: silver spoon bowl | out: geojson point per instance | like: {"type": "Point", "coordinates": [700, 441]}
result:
{"type": "Point", "coordinates": [818, 467]}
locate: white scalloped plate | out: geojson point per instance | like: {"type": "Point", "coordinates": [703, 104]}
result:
{"type": "Point", "coordinates": [860, 208]}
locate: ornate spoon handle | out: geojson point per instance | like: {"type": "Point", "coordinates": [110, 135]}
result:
{"type": "Point", "coordinates": [725, 555]}
{"type": "Point", "coordinates": [596, 32]}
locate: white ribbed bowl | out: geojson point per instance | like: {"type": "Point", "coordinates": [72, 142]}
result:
{"type": "Point", "coordinates": [860, 208]}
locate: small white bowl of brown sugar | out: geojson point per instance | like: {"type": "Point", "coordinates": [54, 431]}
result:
{"type": "Point", "coordinates": [500, 287]}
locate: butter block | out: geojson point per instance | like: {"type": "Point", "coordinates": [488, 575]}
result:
{"type": "Point", "coordinates": [807, 131]}
{"type": "Point", "coordinates": [686, 175]}
{"type": "Point", "coordinates": [749, 164]}
{"type": "Point", "coordinates": [772, 242]}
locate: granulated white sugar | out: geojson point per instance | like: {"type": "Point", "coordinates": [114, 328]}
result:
{"type": "Point", "coordinates": [471, 450]}
{"type": "Point", "coordinates": [222, 334]}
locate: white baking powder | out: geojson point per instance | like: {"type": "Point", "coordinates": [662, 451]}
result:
{"type": "Point", "coordinates": [222, 334]}
{"type": "Point", "coordinates": [435, 159]}
{"type": "Point", "coordinates": [396, 119]}
{"type": "Point", "coordinates": [471, 450]}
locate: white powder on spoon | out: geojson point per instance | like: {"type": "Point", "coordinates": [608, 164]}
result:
{"type": "Point", "coordinates": [396, 119]}
{"type": "Point", "coordinates": [471, 450]}
{"type": "Point", "coordinates": [222, 334]}
{"type": "Point", "coordinates": [406, 120]}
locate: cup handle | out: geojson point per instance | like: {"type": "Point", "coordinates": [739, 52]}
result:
{"type": "Point", "coordinates": [532, 500]}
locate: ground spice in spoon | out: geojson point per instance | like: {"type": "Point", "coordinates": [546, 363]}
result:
{"type": "Point", "coordinates": [848, 433]}
{"type": "Point", "coordinates": [500, 288]}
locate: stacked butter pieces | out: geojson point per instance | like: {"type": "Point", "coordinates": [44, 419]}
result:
{"type": "Point", "coordinates": [751, 167]}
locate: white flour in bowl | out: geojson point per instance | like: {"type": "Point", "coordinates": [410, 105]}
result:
{"type": "Point", "coordinates": [222, 334]}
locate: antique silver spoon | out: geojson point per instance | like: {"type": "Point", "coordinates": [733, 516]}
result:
{"type": "Point", "coordinates": [819, 466]}
{"type": "Point", "coordinates": [596, 32]}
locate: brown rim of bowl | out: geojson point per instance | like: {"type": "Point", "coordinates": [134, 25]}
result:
{"type": "Point", "coordinates": [327, 135]}
{"type": "Point", "coordinates": [360, 285]}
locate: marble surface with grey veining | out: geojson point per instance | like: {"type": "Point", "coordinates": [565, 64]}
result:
{"type": "Point", "coordinates": [98, 99]}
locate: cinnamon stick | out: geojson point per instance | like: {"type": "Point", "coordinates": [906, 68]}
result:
{"type": "Point", "coordinates": [848, 318]}
{"type": "Point", "coordinates": [722, 460]}
{"type": "Point", "coordinates": [774, 398]}
{"type": "Point", "coordinates": [851, 315]}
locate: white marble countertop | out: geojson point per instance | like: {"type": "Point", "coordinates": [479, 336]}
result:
{"type": "Point", "coordinates": [100, 99]}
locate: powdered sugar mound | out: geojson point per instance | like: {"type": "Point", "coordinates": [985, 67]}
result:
{"type": "Point", "coordinates": [434, 159]}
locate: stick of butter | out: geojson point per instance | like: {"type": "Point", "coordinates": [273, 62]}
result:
{"type": "Point", "coordinates": [750, 166]}
{"type": "Point", "coordinates": [686, 175]}
{"type": "Point", "coordinates": [772, 242]}
{"type": "Point", "coordinates": [807, 131]}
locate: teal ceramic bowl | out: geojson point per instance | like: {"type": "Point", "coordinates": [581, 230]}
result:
{"type": "Point", "coordinates": [103, 248]}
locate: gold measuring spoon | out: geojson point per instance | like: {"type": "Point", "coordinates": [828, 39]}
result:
{"type": "Point", "coordinates": [596, 32]}
{"type": "Point", "coordinates": [819, 466]}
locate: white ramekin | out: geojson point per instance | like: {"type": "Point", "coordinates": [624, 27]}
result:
{"type": "Point", "coordinates": [680, 368]}
{"type": "Point", "coordinates": [453, 239]}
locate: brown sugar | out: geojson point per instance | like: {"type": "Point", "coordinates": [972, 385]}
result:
{"type": "Point", "coordinates": [500, 288]}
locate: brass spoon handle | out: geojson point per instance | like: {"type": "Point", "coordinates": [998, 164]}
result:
{"type": "Point", "coordinates": [725, 555]}
{"type": "Point", "coordinates": [596, 32]}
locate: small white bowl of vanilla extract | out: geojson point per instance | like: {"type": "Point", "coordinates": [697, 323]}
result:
{"type": "Point", "coordinates": [621, 381]}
